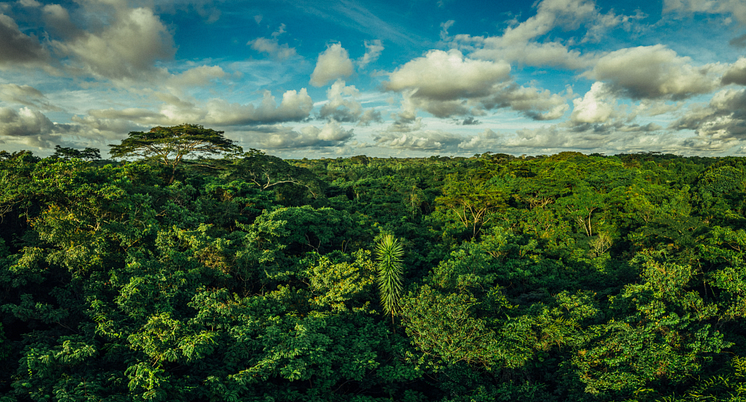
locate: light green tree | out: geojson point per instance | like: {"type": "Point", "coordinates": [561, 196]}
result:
{"type": "Point", "coordinates": [389, 257]}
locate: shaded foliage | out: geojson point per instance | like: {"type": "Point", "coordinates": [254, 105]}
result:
{"type": "Point", "coordinates": [551, 278]}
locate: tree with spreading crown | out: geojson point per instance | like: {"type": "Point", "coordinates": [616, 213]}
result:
{"type": "Point", "coordinates": [169, 145]}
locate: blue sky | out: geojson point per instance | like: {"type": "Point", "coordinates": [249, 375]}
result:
{"type": "Point", "coordinates": [383, 78]}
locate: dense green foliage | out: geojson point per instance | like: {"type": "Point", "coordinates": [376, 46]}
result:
{"type": "Point", "coordinates": [169, 145]}
{"type": "Point", "coordinates": [250, 278]}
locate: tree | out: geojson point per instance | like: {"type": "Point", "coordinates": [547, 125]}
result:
{"type": "Point", "coordinates": [267, 171]}
{"type": "Point", "coordinates": [390, 253]}
{"type": "Point", "coordinates": [474, 201]}
{"type": "Point", "coordinates": [170, 145]}
{"type": "Point", "coordinates": [90, 154]}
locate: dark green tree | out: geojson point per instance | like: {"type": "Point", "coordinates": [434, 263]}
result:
{"type": "Point", "coordinates": [169, 145]}
{"type": "Point", "coordinates": [90, 154]}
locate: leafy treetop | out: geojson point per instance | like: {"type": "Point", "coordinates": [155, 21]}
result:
{"type": "Point", "coordinates": [67, 153]}
{"type": "Point", "coordinates": [170, 145]}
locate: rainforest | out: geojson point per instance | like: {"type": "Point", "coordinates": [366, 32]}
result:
{"type": "Point", "coordinates": [241, 276]}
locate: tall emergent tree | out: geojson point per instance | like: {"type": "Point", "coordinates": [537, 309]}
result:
{"type": "Point", "coordinates": [390, 253]}
{"type": "Point", "coordinates": [89, 154]}
{"type": "Point", "coordinates": [170, 145]}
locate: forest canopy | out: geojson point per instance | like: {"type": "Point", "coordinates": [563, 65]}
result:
{"type": "Point", "coordinates": [248, 277]}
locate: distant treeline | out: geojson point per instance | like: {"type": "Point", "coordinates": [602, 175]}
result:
{"type": "Point", "coordinates": [567, 277]}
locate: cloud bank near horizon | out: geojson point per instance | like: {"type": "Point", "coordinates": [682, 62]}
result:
{"type": "Point", "coordinates": [345, 78]}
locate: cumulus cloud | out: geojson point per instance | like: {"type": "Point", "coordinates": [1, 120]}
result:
{"type": "Point", "coordinates": [552, 54]}
{"type": "Point", "coordinates": [485, 141]}
{"type": "Point", "coordinates": [341, 105]}
{"type": "Point", "coordinates": [521, 43]}
{"type": "Point", "coordinates": [24, 122]}
{"type": "Point", "coordinates": [18, 49]}
{"type": "Point", "coordinates": [373, 50]}
{"type": "Point", "coordinates": [106, 129]}
{"type": "Point", "coordinates": [29, 3]}
{"type": "Point", "coordinates": [197, 76]}
{"type": "Point", "coordinates": [470, 121]}
{"type": "Point", "coordinates": [369, 116]}
{"type": "Point", "coordinates": [25, 95]}
{"type": "Point", "coordinates": [612, 137]}
{"type": "Point", "coordinates": [651, 72]}
{"type": "Point", "coordinates": [295, 106]}
{"type": "Point", "coordinates": [57, 19]}
{"type": "Point", "coordinates": [124, 48]}
{"type": "Point", "coordinates": [27, 128]}
{"type": "Point", "coordinates": [736, 8]}
{"type": "Point", "coordinates": [447, 84]}
{"type": "Point", "coordinates": [333, 63]}
{"type": "Point", "coordinates": [279, 137]}
{"type": "Point", "coordinates": [550, 14]}
{"type": "Point", "coordinates": [273, 48]}
{"type": "Point", "coordinates": [594, 107]}
{"type": "Point", "coordinates": [723, 119]}
{"type": "Point", "coordinates": [448, 75]}
{"type": "Point", "coordinates": [532, 102]}
{"type": "Point", "coordinates": [736, 74]}
{"type": "Point", "coordinates": [137, 115]}
{"type": "Point", "coordinates": [419, 140]}
{"type": "Point", "coordinates": [24, 128]}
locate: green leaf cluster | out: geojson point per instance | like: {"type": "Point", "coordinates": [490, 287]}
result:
{"type": "Point", "coordinates": [549, 278]}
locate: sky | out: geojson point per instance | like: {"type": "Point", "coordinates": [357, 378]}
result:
{"type": "Point", "coordinates": [337, 78]}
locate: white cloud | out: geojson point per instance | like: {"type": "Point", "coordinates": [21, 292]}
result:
{"type": "Point", "coordinates": [522, 43]}
{"type": "Point", "coordinates": [295, 106]}
{"type": "Point", "coordinates": [273, 48]}
{"type": "Point", "coordinates": [550, 14]}
{"type": "Point", "coordinates": [444, 27]}
{"type": "Point", "coordinates": [26, 128]}
{"type": "Point", "coordinates": [486, 140]}
{"type": "Point", "coordinates": [106, 129]}
{"type": "Point", "coordinates": [125, 48]}
{"type": "Point", "coordinates": [29, 3]}
{"type": "Point", "coordinates": [194, 77]}
{"type": "Point", "coordinates": [447, 84]}
{"type": "Point", "coordinates": [736, 8]}
{"type": "Point", "coordinates": [25, 95]}
{"type": "Point", "coordinates": [448, 75]}
{"type": "Point", "coordinates": [373, 50]}
{"type": "Point", "coordinates": [414, 136]}
{"type": "Point", "coordinates": [332, 134]}
{"type": "Point", "coordinates": [723, 119]}
{"type": "Point", "coordinates": [606, 138]}
{"type": "Point", "coordinates": [653, 72]}
{"type": "Point", "coordinates": [333, 63]}
{"type": "Point", "coordinates": [648, 107]}
{"type": "Point", "coordinates": [369, 116]}
{"type": "Point", "coordinates": [137, 115]}
{"type": "Point", "coordinates": [594, 107]}
{"type": "Point", "coordinates": [341, 105]}
{"type": "Point", "coordinates": [552, 54]}
{"type": "Point", "coordinates": [532, 102]}
{"type": "Point", "coordinates": [22, 123]}
{"type": "Point", "coordinates": [420, 140]}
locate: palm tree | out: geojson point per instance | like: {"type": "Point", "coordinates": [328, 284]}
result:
{"type": "Point", "coordinates": [389, 258]}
